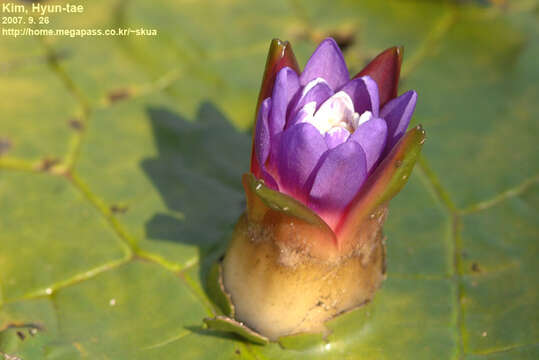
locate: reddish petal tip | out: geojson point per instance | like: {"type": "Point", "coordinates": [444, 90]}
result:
{"type": "Point", "coordinates": [385, 70]}
{"type": "Point", "coordinates": [280, 55]}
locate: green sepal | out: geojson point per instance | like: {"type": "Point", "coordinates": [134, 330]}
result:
{"type": "Point", "coordinates": [226, 324]}
{"type": "Point", "coordinates": [350, 320]}
{"type": "Point", "coordinates": [217, 290]}
{"type": "Point", "coordinates": [386, 182]}
{"type": "Point", "coordinates": [281, 202]}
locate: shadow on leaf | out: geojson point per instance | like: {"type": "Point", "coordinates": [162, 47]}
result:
{"type": "Point", "coordinates": [198, 174]}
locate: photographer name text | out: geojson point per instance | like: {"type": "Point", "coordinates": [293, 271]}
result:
{"type": "Point", "coordinates": [38, 19]}
{"type": "Point", "coordinates": [41, 9]}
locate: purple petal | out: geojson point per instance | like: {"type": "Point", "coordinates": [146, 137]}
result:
{"type": "Point", "coordinates": [371, 135]}
{"type": "Point", "coordinates": [274, 152]}
{"type": "Point", "coordinates": [338, 177]}
{"type": "Point", "coordinates": [301, 147]}
{"type": "Point", "coordinates": [304, 114]}
{"type": "Point", "coordinates": [317, 91]}
{"type": "Point", "coordinates": [328, 63]}
{"type": "Point", "coordinates": [364, 93]}
{"type": "Point", "coordinates": [285, 87]}
{"type": "Point", "coordinates": [269, 180]}
{"type": "Point", "coordinates": [336, 136]}
{"type": "Point", "coordinates": [262, 134]}
{"type": "Point", "coordinates": [397, 114]}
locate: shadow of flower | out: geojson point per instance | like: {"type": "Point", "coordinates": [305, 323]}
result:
{"type": "Point", "coordinates": [198, 174]}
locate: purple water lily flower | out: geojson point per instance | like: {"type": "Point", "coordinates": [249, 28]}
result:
{"type": "Point", "coordinates": [329, 153]}
{"type": "Point", "coordinates": [320, 134]}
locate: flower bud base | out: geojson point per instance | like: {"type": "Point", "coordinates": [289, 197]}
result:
{"type": "Point", "coordinates": [280, 290]}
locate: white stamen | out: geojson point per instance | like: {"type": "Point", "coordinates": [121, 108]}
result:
{"type": "Point", "coordinates": [366, 116]}
{"type": "Point", "coordinates": [337, 111]}
{"type": "Point", "coordinates": [310, 108]}
{"type": "Point", "coordinates": [306, 113]}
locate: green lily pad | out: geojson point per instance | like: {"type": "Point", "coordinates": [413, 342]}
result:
{"type": "Point", "coordinates": [120, 179]}
{"type": "Point", "coordinates": [302, 341]}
